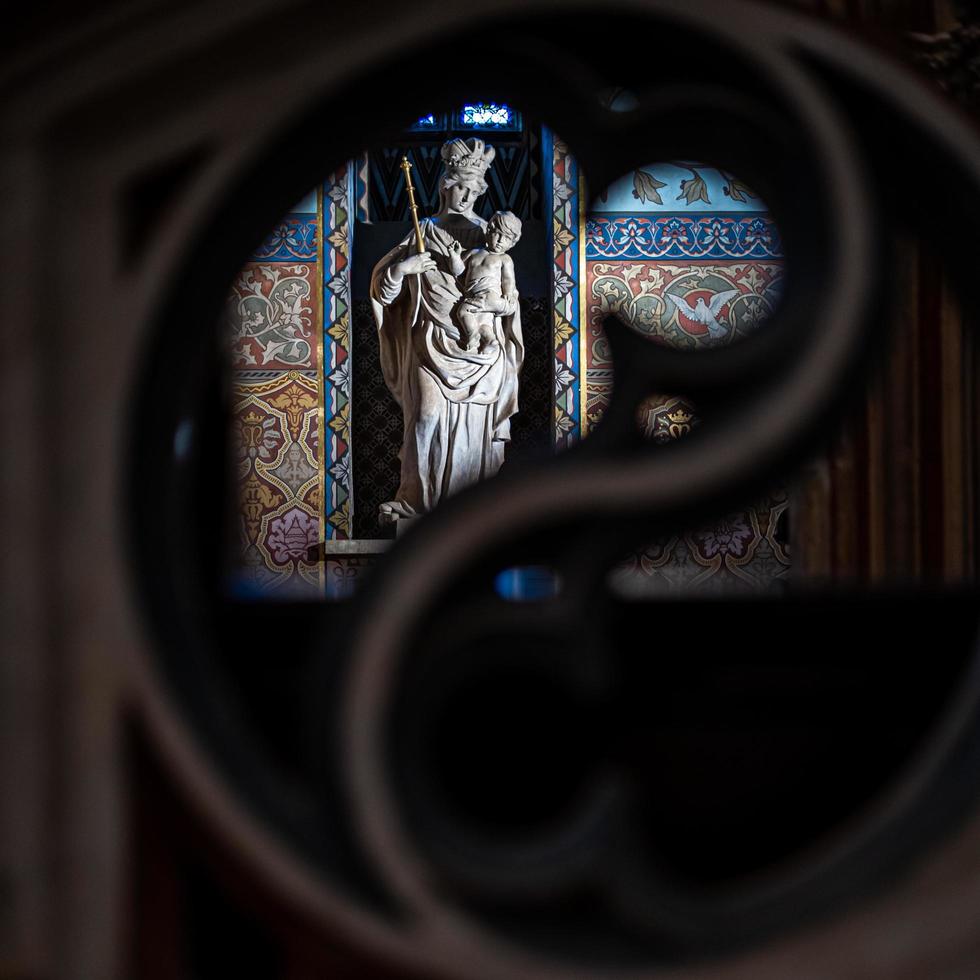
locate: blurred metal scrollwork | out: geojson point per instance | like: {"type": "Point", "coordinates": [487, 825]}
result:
{"type": "Point", "coordinates": [845, 124]}
{"type": "Point", "coordinates": [384, 835]}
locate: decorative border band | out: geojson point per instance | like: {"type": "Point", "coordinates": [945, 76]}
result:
{"type": "Point", "coordinates": [682, 236]}
{"type": "Point", "coordinates": [566, 272]}
{"type": "Point", "coordinates": [338, 206]}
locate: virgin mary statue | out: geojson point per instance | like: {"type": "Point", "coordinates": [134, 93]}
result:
{"type": "Point", "coordinates": [456, 403]}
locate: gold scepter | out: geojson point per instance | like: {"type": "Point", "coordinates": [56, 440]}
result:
{"type": "Point", "coordinates": [407, 168]}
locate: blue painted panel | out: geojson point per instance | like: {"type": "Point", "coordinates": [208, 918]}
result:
{"type": "Point", "coordinates": [434, 122]}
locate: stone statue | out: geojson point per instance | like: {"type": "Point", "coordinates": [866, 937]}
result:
{"type": "Point", "coordinates": [488, 272]}
{"type": "Point", "coordinates": [449, 326]}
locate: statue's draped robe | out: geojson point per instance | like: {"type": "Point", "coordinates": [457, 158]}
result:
{"type": "Point", "coordinates": [456, 404]}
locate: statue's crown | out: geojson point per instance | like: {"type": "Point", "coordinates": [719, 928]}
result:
{"type": "Point", "coordinates": [467, 158]}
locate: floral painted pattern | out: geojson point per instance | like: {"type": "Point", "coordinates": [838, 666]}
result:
{"type": "Point", "coordinates": [270, 316]}
{"type": "Point", "coordinates": [661, 299]}
{"type": "Point", "coordinates": [293, 238]}
{"type": "Point", "coordinates": [688, 278]}
{"type": "Point", "coordinates": [729, 536]}
{"type": "Point", "coordinates": [292, 535]}
{"type": "Point", "coordinates": [275, 429]}
{"type": "Point", "coordinates": [682, 236]}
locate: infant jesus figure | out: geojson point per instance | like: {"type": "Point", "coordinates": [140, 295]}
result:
{"type": "Point", "coordinates": [489, 289]}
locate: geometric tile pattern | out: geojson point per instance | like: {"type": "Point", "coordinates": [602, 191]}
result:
{"type": "Point", "coordinates": [679, 187]}
{"type": "Point", "coordinates": [376, 429]}
{"type": "Point", "coordinates": [567, 247]}
{"type": "Point", "coordinates": [531, 427]}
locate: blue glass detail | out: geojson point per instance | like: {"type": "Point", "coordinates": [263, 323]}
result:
{"type": "Point", "coordinates": [527, 583]}
{"type": "Point", "coordinates": [433, 122]}
{"type": "Point", "coordinates": [488, 115]}
{"type": "Point", "coordinates": [183, 440]}
{"type": "Point", "coordinates": [493, 116]}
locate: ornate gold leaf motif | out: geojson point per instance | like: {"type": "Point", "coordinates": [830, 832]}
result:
{"type": "Point", "coordinates": [563, 237]}
{"type": "Point", "coordinates": [563, 331]}
{"type": "Point", "coordinates": [256, 498]}
{"type": "Point", "coordinates": [339, 239]}
{"type": "Point", "coordinates": [340, 423]}
{"type": "Point", "coordinates": [295, 401]}
{"type": "Point", "coordinates": [340, 518]}
{"type": "Point", "coordinates": [339, 331]}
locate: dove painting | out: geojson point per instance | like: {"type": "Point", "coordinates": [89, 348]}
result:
{"type": "Point", "coordinates": [703, 314]}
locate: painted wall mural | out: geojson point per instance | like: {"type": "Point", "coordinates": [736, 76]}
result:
{"type": "Point", "coordinates": [688, 255]}
{"type": "Point", "coordinates": [273, 320]}
{"type": "Point", "coordinates": [678, 187]}
{"type": "Point", "coordinates": [276, 435]}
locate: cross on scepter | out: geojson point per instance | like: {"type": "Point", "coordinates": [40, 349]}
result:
{"type": "Point", "coordinates": [407, 167]}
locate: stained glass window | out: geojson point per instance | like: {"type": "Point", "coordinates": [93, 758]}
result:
{"type": "Point", "coordinates": [474, 115]}
{"type": "Point", "coordinates": [488, 115]}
